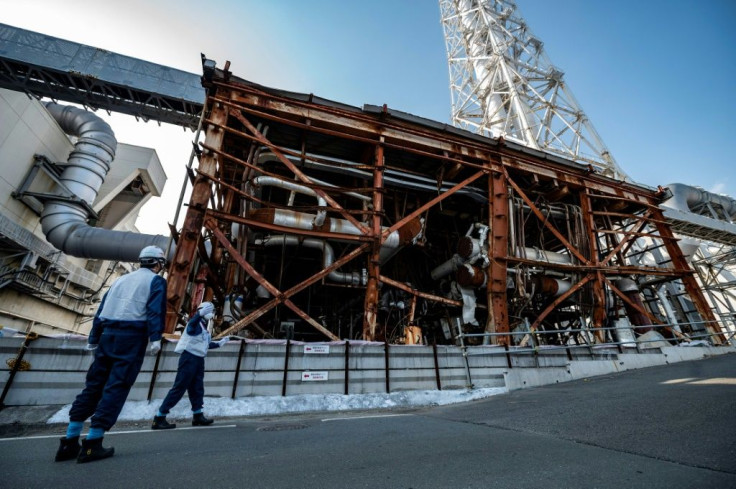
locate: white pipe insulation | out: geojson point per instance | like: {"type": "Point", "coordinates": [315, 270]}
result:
{"type": "Point", "coordinates": [64, 220]}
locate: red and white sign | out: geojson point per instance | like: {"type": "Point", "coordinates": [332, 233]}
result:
{"type": "Point", "coordinates": [314, 376]}
{"type": "Point", "coordinates": [322, 349]}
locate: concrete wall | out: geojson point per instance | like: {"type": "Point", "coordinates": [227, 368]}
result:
{"type": "Point", "coordinates": [57, 367]}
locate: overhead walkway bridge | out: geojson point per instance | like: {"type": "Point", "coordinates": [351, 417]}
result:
{"type": "Point", "coordinates": [47, 66]}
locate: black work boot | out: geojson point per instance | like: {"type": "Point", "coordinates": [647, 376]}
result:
{"type": "Point", "coordinates": [68, 449]}
{"type": "Point", "coordinates": [160, 423]}
{"type": "Point", "coordinates": [200, 420]}
{"type": "Point", "coordinates": [93, 450]}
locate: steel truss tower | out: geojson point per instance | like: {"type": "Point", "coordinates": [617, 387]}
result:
{"type": "Point", "coordinates": [503, 84]}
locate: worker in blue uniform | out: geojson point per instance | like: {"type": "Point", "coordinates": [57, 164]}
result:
{"type": "Point", "coordinates": [192, 348]}
{"type": "Point", "coordinates": [131, 315]}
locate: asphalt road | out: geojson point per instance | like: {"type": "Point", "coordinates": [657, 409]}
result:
{"type": "Point", "coordinates": [662, 427]}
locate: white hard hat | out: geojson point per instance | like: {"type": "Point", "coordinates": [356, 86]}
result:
{"type": "Point", "coordinates": [151, 255]}
{"type": "Point", "coordinates": [206, 310]}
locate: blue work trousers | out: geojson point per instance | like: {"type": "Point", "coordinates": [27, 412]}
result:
{"type": "Point", "coordinates": [189, 379]}
{"type": "Point", "coordinates": [118, 359]}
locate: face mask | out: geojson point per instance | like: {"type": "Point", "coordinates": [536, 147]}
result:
{"type": "Point", "coordinates": [209, 315]}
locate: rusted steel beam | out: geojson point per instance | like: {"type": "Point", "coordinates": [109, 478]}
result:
{"type": "Point", "coordinates": [370, 317]}
{"type": "Point", "coordinates": [609, 270]}
{"type": "Point", "coordinates": [688, 280]}
{"type": "Point", "coordinates": [297, 172]}
{"type": "Point", "coordinates": [186, 248]}
{"type": "Point", "coordinates": [266, 105]}
{"type": "Point", "coordinates": [599, 295]}
{"type": "Point", "coordinates": [428, 205]}
{"type": "Point", "coordinates": [631, 303]}
{"type": "Point", "coordinates": [286, 230]}
{"type": "Point", "coordinates": [626, 239]}
{"type": "Point", "coordinates": [498, 217]}
{"type": "Point", "coordinates": [212, 226]}
{"type": "Point", "coordinates": [545, 221]}
{"type": "Point", "coordinates": [551, 307]}
{"type": "Point", "coordinates": [416, 293]}
{"type": "Point", "coordinates": [248, 320]}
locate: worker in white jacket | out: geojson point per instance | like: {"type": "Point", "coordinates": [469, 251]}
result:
{"type": "Point", "coordinates": [192, 348]}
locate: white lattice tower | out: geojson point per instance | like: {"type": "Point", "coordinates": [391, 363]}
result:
{"type": "Point", "coordinates": [503, 84]}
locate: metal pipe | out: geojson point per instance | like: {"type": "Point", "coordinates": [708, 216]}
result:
{"type": "Point", "coordinates": [392, 178]}
{"type": "Point", "coordinates": [319, 219]}
{"type": "Point", "coordinates": [301, 220]}
{"type": "Point", "coordinates": [64, 221]}
{"type": "Point", "coordinates": [328, 256]}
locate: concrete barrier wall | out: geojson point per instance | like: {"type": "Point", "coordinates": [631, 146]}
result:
{"type": "Point", "coordinates": [56, 368]}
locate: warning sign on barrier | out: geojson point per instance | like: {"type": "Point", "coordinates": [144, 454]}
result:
{"type": "Point", "coordinates": [314, 376]}
{"type": "Point", "coordinates": [317, 349]}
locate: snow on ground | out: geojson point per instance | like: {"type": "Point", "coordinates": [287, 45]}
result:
{"type": "Point", "coordinates": [262, 406]}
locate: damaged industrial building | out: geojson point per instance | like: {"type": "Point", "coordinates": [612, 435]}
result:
{"type": "Point", "coordinates": [318, 221]}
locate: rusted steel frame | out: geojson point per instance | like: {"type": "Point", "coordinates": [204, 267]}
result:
{"type": "Point", "coordinates": [599, 294]}
{"type": "Point", "coordinates": [186, 248]}
{"type": "Point", "coordinates": [498, 214]}
{"type": "Point", "coordinates": [621, 198]}
{"type": "Point", "coordinates": [271, 174]}
{"type": "Point", "coordinates": [266, 203]}
{"type": "Point", "coordinates": [374, 263]}
{"type": "Point", "coordinates": [416, 293]}
{"type": "Point", "coordinates": [573, 177]}
{"type": "Point", "coordinates": [250, 318]}
{"type": "Point", "coordinates": [542, 218]}
{"type": "Point", "coordinates": [633, 217]}
{"type": "Point", "coordinates": [361, 122]}
{"type": "Point", "coordinates": [651, 317]}
{"type": "Point", "coordinates": [610, 270]}
{"type": "Point", "coordinates": [211, 224]}
{"type": "Point", "coordinates": [399, 145]}
{"type": "Point", "coordinates": [632, 233]}
{"type": "Point", "coordinates": [631, 303]}
{"type": "Point", "coordinates": [559, 300]}
{"type": "Point", "coordinates": [626, 239]}
{"type": "Point", "coordinates": [442, 141]}
{"type": "Point", "coordinates": [297, 172]}
{"type": "Point", "coordinates": [286, 230]}
{"type": "Point", "coordinates": [688, 280]}
{"type": "Point", "coordinates": [419, 211]}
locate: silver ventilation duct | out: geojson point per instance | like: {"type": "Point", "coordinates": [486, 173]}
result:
{"type": "Point", "coordinates": [64, 221]}
{"type": "Point", "coordinates": [686, 198]}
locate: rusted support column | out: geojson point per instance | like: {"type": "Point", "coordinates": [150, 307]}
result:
{"type": "Point", "coordinates": [688, 279]}
{"type": "Point", "coordinates": [186, 248]}
{"type": "Point", "coordinates": [599, 294]}
{"type": "Point", "coordinates": [374, 269]}
{"type": "Point", "coordinates": [498, 216]}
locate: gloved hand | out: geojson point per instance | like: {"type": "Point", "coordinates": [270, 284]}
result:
{"type": "Point", "coordinates": [90, 347]}
{"type": "Point", "coordinates": [222, 342]}
{"type": "Point", "coordinates": [155, 347]}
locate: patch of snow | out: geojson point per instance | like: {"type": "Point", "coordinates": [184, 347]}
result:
{"type": "Point", "coordinates": [262, 406]}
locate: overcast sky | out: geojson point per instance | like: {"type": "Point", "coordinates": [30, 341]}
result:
{"type": "Point", "coordinates": [655, 77]}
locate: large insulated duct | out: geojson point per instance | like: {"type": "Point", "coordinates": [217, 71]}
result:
{"type": "Point", "coordinates": [685, 198]}
{"type": "Point", "coordinates": [64, 220]}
